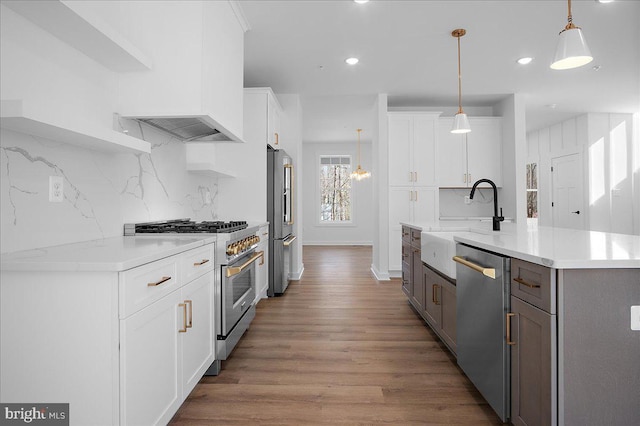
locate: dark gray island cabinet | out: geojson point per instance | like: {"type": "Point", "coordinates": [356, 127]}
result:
{"type": "Point", "coordinates": [575, 359]}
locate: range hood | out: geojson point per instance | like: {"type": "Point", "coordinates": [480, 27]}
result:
{"type": "Point", "coordinates": [192, 128]}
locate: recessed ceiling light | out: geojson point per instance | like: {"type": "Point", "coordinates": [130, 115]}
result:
{"type": "Point", "coordinates": [361, 1]}
{"type": "Point", "coordinates": [524, 61]}
{"type": "Point", "coordinates": [352, 61]}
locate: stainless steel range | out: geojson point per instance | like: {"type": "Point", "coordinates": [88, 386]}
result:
{"type": "Point", "coordinates": [235, 277]}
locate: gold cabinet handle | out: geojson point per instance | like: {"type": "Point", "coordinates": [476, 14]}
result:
{"type": "Point", "coordinates": [489, 272]}
{"type": "Point", "coordinates": [202, 262]}
{"type": "Point", "coordinates": [509, 342]}
{"type": "Point", "coordinates": [184, 318]}
{"type": "Point", "coordinates": [523, 282]}
{"type": "Point", "coordinates": [277, 136]}
{"type": "Point", "coordinates": [190, 304]}
{"type": "Point", "coordinates": [416, 195]}
{"type": "Point", "coordinates": [415, 179]}
{"type": "Point", "coordinates": [433, 292]}
{"type": "Point", "coordinates": [163, 280]}
{"type": "Point", "coordinates": [235, 270]}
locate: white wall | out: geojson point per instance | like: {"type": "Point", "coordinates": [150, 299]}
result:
{"type": "Point", "coordinates": [607, 144]}
{"type": "Point", "coordinates": [101, 191]}
{"type": "Point", "coordinates": [291, 141]}
{"type": "Point", "coordinates": [380, 181]}
{"type": "Point", "coordinates": [360, 231]}
{"type": "Point", "coordinates": [514, 147]}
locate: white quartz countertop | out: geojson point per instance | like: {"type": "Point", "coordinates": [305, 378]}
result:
{"type": "Point", "coordinates": [109, 254]}
{"type": "Point", "coordinates": [558, 248]}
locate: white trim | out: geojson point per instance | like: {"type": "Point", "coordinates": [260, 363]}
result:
{"type": "Point", "coordinates": [379, 275]}
{"type": "Point", "coordinates": [337, 243]}
{"type": "Point", "coordinates": [295, 276]}
{"type": "Point", "coordinates": [240, 16]}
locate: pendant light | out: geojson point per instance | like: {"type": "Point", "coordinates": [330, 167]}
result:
{"type": "Point", "coordinates": [572, 50]}
{"type": "Point", "coordinates": [460, 121]}
{"type": "Point", "coordinates": [359, 173]}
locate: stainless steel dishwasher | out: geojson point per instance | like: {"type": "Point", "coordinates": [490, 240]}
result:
{"type": "Point", "coordinates": [482, 305]}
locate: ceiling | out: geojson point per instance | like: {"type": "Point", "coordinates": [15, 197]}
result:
{"type": "Point", "coordinates": [406, 51]}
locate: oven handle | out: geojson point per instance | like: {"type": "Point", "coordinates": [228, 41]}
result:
{"type": "Point", "coordinates": [235, 270]}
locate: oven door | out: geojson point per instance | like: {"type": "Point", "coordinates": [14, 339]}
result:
{"type": "Point", "coordinates": [238, 289]}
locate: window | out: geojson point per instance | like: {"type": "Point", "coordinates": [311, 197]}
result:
{"type": "Point", "coordinates": [532, 190]}
{"type": "Point", "coordinates": [335, 189]}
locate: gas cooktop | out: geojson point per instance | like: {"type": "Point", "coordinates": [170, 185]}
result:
{"type": "Point", "coordinates": [183, 226]}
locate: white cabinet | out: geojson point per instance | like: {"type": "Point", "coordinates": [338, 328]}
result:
{"type": "Point", "coordinates": [108, 342]}
{"type": "Point", "coordinates": [262, 114]}
{"type": "Point", "coordinates": [413, 194]}
{"type": "Point", "coordinates": [262, 271]}
{"type": "Point", "coordinates": [463, 159]}
{"type": "Point", "coordinates": [150, 364]}
{"type": "Point", "coordinates": [197, 65]}
{"type": "Point", "coordinates": [412, 148]}
{"type": "Point", "coordinates": [408, 205]}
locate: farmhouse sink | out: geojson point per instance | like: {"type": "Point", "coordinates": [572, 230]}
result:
{"type": "Point", "coordinates": [438, 249]}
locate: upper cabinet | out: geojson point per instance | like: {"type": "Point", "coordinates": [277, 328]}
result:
{"type": "Point", "coordinates": [463, 159]}
{"type": "Point", "coordinates": [412, 148]}
{"type": "Point", "coordinates": [197, 78]}
{"type": "Point", "coordinates": [262, 114]}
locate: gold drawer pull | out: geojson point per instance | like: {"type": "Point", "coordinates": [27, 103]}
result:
{"type": "Point", "coordinates": [509, 342]}
{"type": "Point", "coordinates": [489, 272]}
{"type": "Point", "coordinates": [190, 322]}
{"type": "Point", "coordinates": [201, 263]}
{"type": "Point", "coordinates": [163, 280]}
{"type": "Point", "coordinates": [184, 318]}
{"type": "Point", "coordinates": [523, 282]}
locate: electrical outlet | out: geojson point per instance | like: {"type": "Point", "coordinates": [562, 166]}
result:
{"type": "Point", "coordinates": [635, 318]}
{"type": "Point", "coordinates": [467, 200]}
{"type": "Point", "coordinates": [56, 189]}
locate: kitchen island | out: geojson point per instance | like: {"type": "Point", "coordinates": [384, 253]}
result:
{"type": "Point", "coordinates": [574, 318]}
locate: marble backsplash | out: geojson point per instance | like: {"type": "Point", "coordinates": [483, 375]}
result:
{"type": "Point", "coordinates": [102, 191]}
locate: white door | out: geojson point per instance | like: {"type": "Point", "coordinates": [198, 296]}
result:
{"type": "Point", "coordinates": [425, 207]}
{"type": "Point", "coordinates": [452, 162]}
{"type": "Point", "coordinates": [197, 342]}
{"type": "Point", "coordinates": [150, 363]}
{"type": "Point", "coordinates": [568, 197]}
{"type": "Point", "coordinates": [400, 136]}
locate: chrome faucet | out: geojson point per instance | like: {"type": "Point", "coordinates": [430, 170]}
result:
{"type": "Point", "coordinates": [496, 219]}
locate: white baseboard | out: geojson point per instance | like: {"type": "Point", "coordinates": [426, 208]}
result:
{"type": "Point", "coordinates": [337, 243]}
{"type": "Point", "coordinates": [380, 276]}
{"type": "Point", "coordinates": [295, 276]}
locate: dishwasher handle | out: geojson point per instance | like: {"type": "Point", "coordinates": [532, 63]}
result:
{"type": "Point", "coordinates": [489, 272]}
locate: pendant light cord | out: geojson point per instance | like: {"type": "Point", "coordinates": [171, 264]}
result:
{"type": "Point", "coordinates": [460, 79]}
{"type": "Point", "coordinates": [570, 25]}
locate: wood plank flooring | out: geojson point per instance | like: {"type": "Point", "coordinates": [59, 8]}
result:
{"type": "Point", "coordinates": [338, 348]}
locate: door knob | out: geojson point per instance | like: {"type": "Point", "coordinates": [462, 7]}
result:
{"type": "Point", "coordinates": [576, 212]}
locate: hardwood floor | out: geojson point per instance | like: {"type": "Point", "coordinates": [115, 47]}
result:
{"type": "Point", "coordinates": [338, 348]}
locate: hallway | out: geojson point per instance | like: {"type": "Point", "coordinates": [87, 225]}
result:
{"type": "Point", "coordinates": [338, 348]}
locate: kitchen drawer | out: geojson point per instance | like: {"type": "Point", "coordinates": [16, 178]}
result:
{"type": "Point", "coordinates": [406, 234]}
{"type": "Point", "coordinates": [141, 286]}
{"type": "Point", "coordinates": [415, 237]}
{"type": "Point", "coordinates": [196, 262]}
{"type": "Point", "coordinates": [535, 284]}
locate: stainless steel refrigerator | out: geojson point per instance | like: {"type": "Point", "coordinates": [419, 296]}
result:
{"type": "Point", "coordinates": [280, 217]}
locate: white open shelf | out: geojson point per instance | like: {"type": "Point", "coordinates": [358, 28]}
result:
{"type": "Point", "coordinates": [209, 169]}
{"type": "Point", "coordinates": [69, 22]}
{"type": "Point", "coordinates": [16, 116]}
